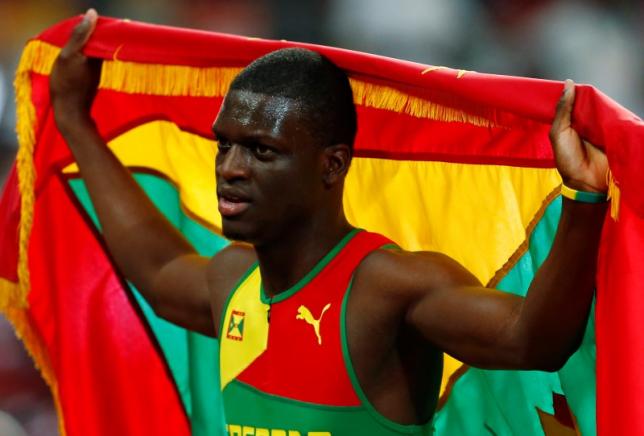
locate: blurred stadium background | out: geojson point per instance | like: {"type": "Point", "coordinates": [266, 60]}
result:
{"type": "Point", "coordinates": [599, 42]}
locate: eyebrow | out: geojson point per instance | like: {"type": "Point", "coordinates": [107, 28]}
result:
{"type": "Point", "coordinates": [250, 138]}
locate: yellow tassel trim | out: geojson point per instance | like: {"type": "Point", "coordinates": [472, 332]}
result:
{"type": "Point", "coordinates": [385, 97]}
{"type": "Point", "coordinates": [38, 58]}
{"type": "Point", "coordinates": [171, 80]}
{"type": "Point", "coordinates": [614, 195]}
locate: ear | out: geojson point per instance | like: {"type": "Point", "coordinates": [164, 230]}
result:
{"type": "Point", "coordinates": [337, 159]}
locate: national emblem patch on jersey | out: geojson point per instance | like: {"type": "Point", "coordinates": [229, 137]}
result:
{"type": "Point", "coordinates": [236, 326]}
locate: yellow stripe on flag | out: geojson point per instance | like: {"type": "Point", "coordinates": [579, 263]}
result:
{"type": "Point", "coordinates": [476, 214]}
{"type": "Point", "coordinates": [184, 159]}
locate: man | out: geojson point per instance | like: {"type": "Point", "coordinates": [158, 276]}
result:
{"type": "Point", "coordinates": [325, 329]}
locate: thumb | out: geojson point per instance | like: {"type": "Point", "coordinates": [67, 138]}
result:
{"type": "Point", "coordinates": [82, 31]}
{"type": "Point", "coordinates": [563, 114]}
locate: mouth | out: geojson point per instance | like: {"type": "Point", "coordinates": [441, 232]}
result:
{"type": "Point", "coordinates": [231, 205]}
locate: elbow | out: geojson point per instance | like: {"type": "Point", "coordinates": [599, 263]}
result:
{"type": "Point", "coordinates": [548, 359]}
{"type": "Point", "coordinates": [541, 352]}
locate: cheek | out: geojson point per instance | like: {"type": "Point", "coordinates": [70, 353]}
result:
{"type": "Point", "coordinates": [294, 190]}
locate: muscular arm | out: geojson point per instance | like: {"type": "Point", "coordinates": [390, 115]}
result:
{"type": "Point", "coordinates": [492, 329]}
{"type": "Point", "coordinates": [148, 250]}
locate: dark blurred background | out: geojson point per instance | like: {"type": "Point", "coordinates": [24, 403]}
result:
{"type": "Point", "coordinates": [599, 42]}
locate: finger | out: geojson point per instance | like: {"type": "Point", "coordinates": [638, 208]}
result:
{"type": "Point", "coordinates": [563, 114]}
{"type": "Point", "coordinates": [81, 33]}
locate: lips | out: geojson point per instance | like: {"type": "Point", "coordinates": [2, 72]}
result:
{"type": "Point", "coordinates": [232, 203]}
{"type": "Point", "coordinates": [230, 208]}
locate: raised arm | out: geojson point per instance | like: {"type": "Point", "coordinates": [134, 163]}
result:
{"type": "Point", "coordinates": [491, 329]}
{"type": "Point", "coordinates": [148, 250]}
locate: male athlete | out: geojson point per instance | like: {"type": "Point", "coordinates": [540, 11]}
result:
{"type": "Point", "coordinates": [325, 329]}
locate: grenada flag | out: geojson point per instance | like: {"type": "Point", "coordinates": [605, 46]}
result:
{"type": "Point", "coordinates": [446, 160]}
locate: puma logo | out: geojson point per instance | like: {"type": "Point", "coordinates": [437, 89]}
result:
{"type": "Point", "coordinates": [304, 313]}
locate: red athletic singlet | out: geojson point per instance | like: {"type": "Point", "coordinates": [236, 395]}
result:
{"type": "Point", "coordinates": [284, 362]}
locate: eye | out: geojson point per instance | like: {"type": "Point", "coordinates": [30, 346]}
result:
{"type": "Point", "coordinates": [262, 151]}
{"type": "Point", "coordinates": [223, 145]}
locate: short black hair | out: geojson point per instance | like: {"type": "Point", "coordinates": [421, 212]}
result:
{"type": "Point", "coordinates": [320, 87]}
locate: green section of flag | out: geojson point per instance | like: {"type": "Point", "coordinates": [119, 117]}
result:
{"type": "Point", "coordinates": [191, 357]}
{"type": "Point", "coordinates": [504, 402]}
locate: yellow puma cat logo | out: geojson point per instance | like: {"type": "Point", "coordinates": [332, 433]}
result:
{"type": "Point", "coordinates": [305, 314]}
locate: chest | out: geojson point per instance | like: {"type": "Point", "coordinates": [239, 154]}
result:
{"type": "Point", "coordinates": [322, 351]}
{"type": "Point", "coordinates": [292, 346]}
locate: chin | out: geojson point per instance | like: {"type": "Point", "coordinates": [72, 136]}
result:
{"type": "Point", "coordinates": [240, 232]}
{"type": "Point", "coordinates": [255, 233]}
{"type": "Point", "coordinates": [235, 235]}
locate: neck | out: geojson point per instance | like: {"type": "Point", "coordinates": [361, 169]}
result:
{"type": "Point", "coordinates": [285, 262]}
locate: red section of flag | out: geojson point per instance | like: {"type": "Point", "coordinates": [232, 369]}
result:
{"type": "Point", "coordinates": [111, 378]}
{"type": "Point", "coordinates": [620, 326]}
{"type": "Point", "coordinates": [507, 101]}
{"type": "Point", "coordinates": [390, 135]}
{"type": "Point", "coordinates": [381, 133]}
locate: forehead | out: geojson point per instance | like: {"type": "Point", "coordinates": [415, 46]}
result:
{"type": "Point", "coordinates": [252, 113]}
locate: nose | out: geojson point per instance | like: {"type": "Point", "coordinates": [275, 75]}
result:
{"type": "Point", "coordinates": [233, 164]}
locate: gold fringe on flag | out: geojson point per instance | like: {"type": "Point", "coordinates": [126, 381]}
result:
{"type": "Point", "coordinates": [38, 58]}
{"type": "Point", "coordinates": [168, 80]}
{"type": "Point", "coordinates": [385, 97]}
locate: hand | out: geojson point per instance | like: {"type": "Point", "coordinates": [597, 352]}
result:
{"type": "Point", "coordinates": [74, 77]}
{"type": "Point", "coordinates": [582, 165]}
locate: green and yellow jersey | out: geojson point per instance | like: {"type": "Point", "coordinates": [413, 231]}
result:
{"type": "Point", "coordinates": [284, 361]}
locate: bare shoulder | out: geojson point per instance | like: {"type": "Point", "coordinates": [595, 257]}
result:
{"type": "Point", "coordinates": [226, 268]}
{"type": "Point", "coordinates": [406, 275]}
